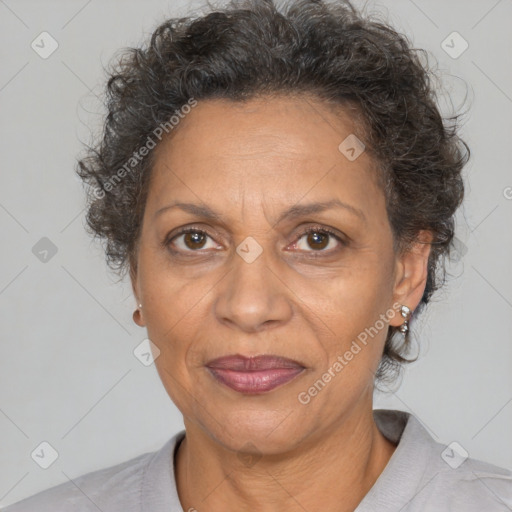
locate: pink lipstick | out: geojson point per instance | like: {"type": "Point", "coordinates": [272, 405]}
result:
{"type": "Point", "coordinates": [254, 375]}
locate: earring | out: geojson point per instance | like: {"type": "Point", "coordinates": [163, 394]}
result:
{"type": "Point", "coordinates": [406, 313]}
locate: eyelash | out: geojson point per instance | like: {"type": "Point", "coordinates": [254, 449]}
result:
{"type": "Point", "coordinates": [310, 229]}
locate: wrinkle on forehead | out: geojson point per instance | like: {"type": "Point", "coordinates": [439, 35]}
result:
{"type": "Point", "coordinates": [261, 156]}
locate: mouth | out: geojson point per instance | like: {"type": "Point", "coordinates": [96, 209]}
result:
{"type": "Point", "coordinates": [254, 375]}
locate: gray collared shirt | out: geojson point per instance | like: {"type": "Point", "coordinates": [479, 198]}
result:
{"type": "Point", "coordinates": [422, 475]}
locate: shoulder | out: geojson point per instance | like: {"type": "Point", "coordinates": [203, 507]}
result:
{"type": "Point", "coordinates": [116, 488]}
{"type": "Point", "coordinates": [475, 485]}
{"type": "Point", "coordinates": [452, 480]}
{"type": "Point", "coordinates": [426, 475]}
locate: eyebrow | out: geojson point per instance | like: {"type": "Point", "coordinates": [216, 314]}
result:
{"type": "Point", "coordinates": [298, 210]}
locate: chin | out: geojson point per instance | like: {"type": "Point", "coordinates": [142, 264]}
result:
{"type": "Point", "coordinates": [271, 433]}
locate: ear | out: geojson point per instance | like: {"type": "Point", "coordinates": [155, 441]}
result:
{"type": "Point", "coordinates": [133, 279]}
{"type": "Point", "coordinates": [138, 317]}
{"type": "Point", "coordinates": [411, 274]}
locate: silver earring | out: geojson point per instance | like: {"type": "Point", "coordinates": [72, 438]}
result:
{"type": "Point", "coordinates": [406, 314]}
{"type": "Point", "coordinates": [140, 306]}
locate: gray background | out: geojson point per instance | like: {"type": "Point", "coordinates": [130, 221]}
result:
{"type": "Point", "coordinates": [68, 373]}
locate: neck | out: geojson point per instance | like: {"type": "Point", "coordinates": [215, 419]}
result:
{"type": "Point", "coordinates": [340, 465]}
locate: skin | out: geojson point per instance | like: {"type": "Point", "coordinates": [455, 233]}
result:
{"type": "Point", "coordinates": [249, 162]}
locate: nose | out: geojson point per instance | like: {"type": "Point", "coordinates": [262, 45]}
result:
{"type": "Point", "coordinates": [252, 297]}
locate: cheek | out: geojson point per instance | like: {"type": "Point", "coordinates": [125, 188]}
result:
{"type": "Point", "coordinates": [176, 309]}
{"type": "Point", "coordinates": [167, 295]}
{"type": "Point", "coordinates": [349, 296]}
{"type": "Point", "coordinates": [350, 313]}
{"type": "Point", "coordinates": [357, 316]}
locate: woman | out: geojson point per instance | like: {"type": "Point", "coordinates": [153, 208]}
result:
{"type": "Point", "coordinates": [281, 188]}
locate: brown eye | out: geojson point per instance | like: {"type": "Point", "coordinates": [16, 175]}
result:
{"type": "Point", "coordinates": [318, 239]}
{"type": "Point", "coordinates": [194, 240]}
{"type": "Point", "coordinates": [190, 240]}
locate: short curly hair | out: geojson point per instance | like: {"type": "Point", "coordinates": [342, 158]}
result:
{"type": "Point", "coordinates": [250, 48]}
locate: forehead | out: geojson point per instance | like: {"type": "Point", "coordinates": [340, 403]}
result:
{"type": "Point", "coordinates": [298, 125]}
{"type": "Point", "coordinates": [276, 150]}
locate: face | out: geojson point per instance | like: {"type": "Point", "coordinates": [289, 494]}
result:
{"type": "Point", "coordinates": [263, 271]}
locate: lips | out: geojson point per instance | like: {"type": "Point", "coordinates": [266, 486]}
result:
{"type": "Point", "coordinates": [252, 375]}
